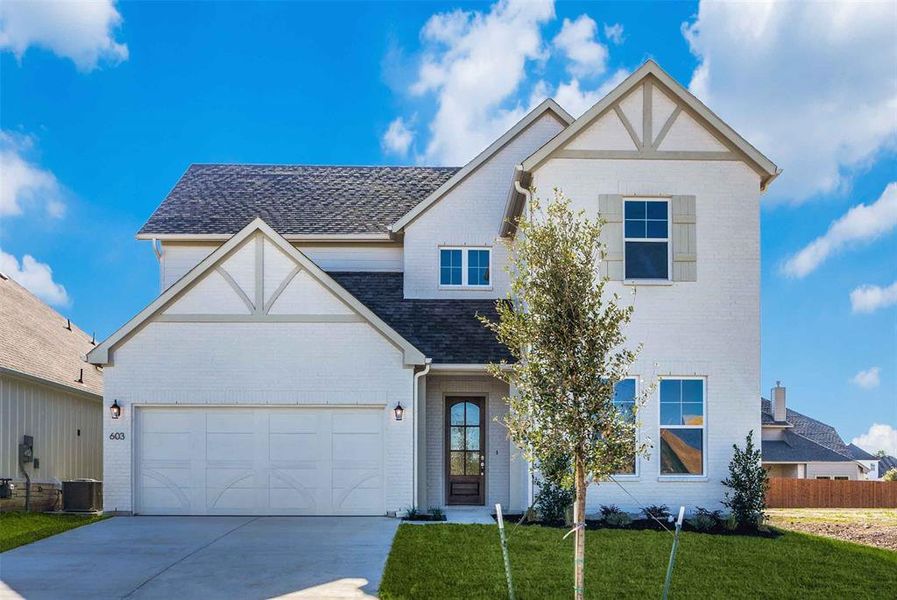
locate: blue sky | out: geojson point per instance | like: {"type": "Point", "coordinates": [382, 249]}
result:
{"type": "Point", "coordinates": [103, 107]}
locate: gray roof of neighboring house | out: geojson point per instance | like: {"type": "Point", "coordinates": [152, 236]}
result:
{"type": "Point", "coordinates": [807, 440]}
{"type": "Point", "coordinates": [886, 464]}
{"type": "Point", "coordinates": [293, 199]}
{"type": "Point", "coordinates": [858, 453]}
{"type": "Point", "coordinates": [446, 331]}
{"type": "Point", "coordinates": [34, 341]}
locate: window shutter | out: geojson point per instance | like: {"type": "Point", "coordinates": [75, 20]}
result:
{"type": "Point", "coordinates": [610, 208]}
{"type": "Point", "coordinates": [684, 239]}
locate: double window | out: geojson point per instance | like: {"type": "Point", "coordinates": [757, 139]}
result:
{"type": "Point", "coordinates": [682, 426]}
{"type": "Point", "coordinates": [465, 267]}
{"type": "Point", "coordinates": [624, 402]}
{"type": "Point", "coordinates": [647, 239]}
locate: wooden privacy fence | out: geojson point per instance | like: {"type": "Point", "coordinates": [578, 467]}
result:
{"type": "Point", "coordinates": [830, 493]}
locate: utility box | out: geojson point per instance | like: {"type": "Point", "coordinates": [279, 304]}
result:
{"type": "Point", "coordinates": [82, 495]}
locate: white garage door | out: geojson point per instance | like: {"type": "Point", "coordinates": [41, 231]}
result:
{"type": "Point", "coordinates": [260, 461]}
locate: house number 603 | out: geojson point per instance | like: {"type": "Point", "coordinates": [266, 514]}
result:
{"type": "Point", "coordinates": [117, 435]}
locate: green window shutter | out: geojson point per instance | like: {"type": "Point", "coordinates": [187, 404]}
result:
{"type": "Point", "coordinates": [684, 239]}
{"type": "Point", "coordinates": [610, 208]}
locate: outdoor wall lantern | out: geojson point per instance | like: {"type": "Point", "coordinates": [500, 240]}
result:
{"type": "Point", "coordinates": [115, 409]}
{"type": "Point", "coordinates": [399, 410]}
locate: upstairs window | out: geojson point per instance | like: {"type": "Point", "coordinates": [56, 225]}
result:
{"type": "Point", "coordinates": [465, 267]}
{"type": "Point", "coordinates": [647, 239]}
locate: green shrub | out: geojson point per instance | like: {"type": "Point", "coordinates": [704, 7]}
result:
{"type": "Point", "coordinates": [661, 512]}
{"type": "Point", "coordinates": [411, 512]}
{"type": "Point", "coordinates": [705, 520]}
{"type": "Point", "coordinates": [609, 509]}
{"type": "Point", "coordinates": [553, 500]}
{"type": "Point", "coordinates": [748, 482]}
{"type": "Point", "coordinates": [436, 512]}
{"type": "Point", "coordinates": [618, 519]}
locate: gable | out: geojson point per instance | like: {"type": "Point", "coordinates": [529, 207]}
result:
{"type": "Point", "coordinates": [651, 116]}
{"type": "Point", "coordinates": [255, 277]}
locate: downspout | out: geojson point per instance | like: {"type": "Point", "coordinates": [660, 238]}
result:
{"type": "Point", "coordinates": [520, 189]}
{"type": "Point", "coordinates": [417, 376]}
{"type": "Point", "coordinates": [157, 249]}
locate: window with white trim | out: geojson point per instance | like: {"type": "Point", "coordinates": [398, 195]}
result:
{"type": "Point", "coordinates": [624, 402]}
{"type": "Point", "coordinates": [682, 403]}
{"type": "Point", "coordinates": [465, 267]}
{"type": "Point", "coordinates": [646, 238]}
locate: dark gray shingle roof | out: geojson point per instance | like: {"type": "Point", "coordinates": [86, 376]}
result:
{"type": "Point", "coordinates": [886, 464]}
{"type": "Point", "coordinates": [858, 453]}
{"type": "Point", "coordinates": [293, 199]}
{"type": "Point", "coordinates": [446, 331]}
{"type": "Point", "coordinates": [807, 439]}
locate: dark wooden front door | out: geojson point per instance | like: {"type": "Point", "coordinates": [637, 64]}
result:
{"type": "Point", "coordinates": [465, 455]}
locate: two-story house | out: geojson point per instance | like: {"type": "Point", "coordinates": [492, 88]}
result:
{"type": "Point", "coordinates": [315, 347]}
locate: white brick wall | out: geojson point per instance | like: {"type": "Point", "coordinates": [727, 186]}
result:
{"type": "Point", "coordinates": [257, 363]}
{"type": "Point", "coordinates": [497, 445]}
{"type": "Point", "coordinates": [710, 327]}
{"type": "Point", "coordinates": [471, 215]}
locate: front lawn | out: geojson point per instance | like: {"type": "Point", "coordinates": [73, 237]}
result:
{"type": "Point", "coordinates": [19, 528]}
{"type": "Point", "coordinates": [464, 561]}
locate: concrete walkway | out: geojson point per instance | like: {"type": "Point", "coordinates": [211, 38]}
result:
{"type": "Point", "coordinates": [204, 557]}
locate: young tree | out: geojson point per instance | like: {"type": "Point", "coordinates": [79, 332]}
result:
{"type": "Point", "coordinates": [749, 482]}
{"type": "Point", "coordinates": [566, 335]}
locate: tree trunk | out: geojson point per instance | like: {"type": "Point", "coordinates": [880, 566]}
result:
{"type": "Point", "coordinates": [579, 522]}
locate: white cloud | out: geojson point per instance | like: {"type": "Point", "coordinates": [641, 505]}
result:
{"type": "Point", "coordinates": [35, 276]}
{"type": "Point", "coordinates": [869, 298]}
{"type": "Point", "coordinates": [473, 63]}
{"type": "Point", "coordinates": [22, 182]}
{"type": "Point", "coordinates": [867, 379]}
{"type": "Point", "coordinates": [614, 33]}
{"type": "Point", "coordinates": [398, 137]}
{"type": "Point", "coordinates": [79, 30]}
{"type": "Point", "coordinates": [578, 41]}
{"type": "Point", "coordinates": [862, 223]}
{"type": "Point", "coordinates": [811, 84]}
{"type": "Point", "coordinates": [879, 437]}
{"type": "Point", "coordinates": [577, 100]}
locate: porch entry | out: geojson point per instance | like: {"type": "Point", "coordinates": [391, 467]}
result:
{"type": "Point", "coordinates": [465, 454]}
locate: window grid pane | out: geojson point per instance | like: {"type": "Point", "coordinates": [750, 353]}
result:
{"type": "Point", "coordinates": [478, 267]}
{"type": "Point", "coordinates": [450, 267]}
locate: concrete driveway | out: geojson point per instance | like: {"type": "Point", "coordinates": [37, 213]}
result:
{"type": "Point", "coordinates": [204, 557]}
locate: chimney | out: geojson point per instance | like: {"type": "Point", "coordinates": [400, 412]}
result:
{"type": "Point", "coordinates": [778, 402]}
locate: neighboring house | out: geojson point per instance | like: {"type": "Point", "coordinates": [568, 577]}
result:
{"type": "Point", "coordinates": [798, 447]}
{"type": "Point", "coordinates": [869, 461]}
{"type": "Point", "coordinates": [47, 392]}
{"type": "Point", "coordinates": [885, 464]}
{"type": "Point", "coordinates": [315, 347]}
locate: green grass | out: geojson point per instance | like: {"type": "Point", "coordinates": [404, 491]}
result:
{"type": "Point", "coordinates": [464, 561]}
{"type": "Point", "coordinates": [19, 528]}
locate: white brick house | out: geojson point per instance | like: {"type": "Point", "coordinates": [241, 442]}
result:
{"type": "Point", "coordinates": [304, 308]}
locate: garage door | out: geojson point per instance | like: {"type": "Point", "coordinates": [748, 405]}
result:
{"type": "Point", "coordinates": [271, 461]}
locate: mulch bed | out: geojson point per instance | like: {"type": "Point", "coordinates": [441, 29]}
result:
{"type": "Point", "coordinates": [648, 524]}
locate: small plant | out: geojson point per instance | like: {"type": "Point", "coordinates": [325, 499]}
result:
{"type": "Point", "coordinates": [748, 481]}
{"type": "Point", "coordinates": [890, 475]}
{"type": "Point", "coordinates": [729, 522]}
{"type": "Point", "coordinates": [705, 520]}
{"type": "Point", "coordinates": [437, 513]}
{"type": "Point", "coordinates": [411, 512]}
{"type": "Point", "coordinates": [618, 519]}
{"type": "Point", "coordinates": [661, 512]}
{"type": "Point", "coordinates": [553, 500]}
{"type": "Point", "coordinates": [609, 509]}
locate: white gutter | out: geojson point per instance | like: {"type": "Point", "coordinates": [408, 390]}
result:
{"type": "Point", "coordinates": [414, 453]}
{"type": "Point", "coordinates": [157, 249]}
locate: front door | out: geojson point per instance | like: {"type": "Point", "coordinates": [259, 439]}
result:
{"type": "Point", "coordinates": [465, 455]}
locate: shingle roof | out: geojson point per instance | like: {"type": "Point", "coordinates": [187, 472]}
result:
{"type": "Point", "coordinates": [446, 331]}
{"type": "Point", "coordinates": [293, 199]}
{"type": "Point", "coordinates": [886, 464]}
{"type": "Point", "coordinates": [858, 453]}
{"type": "Point", "coordinates": [34, 341]}
{"type": "Point", "coordinates": [807, 439]}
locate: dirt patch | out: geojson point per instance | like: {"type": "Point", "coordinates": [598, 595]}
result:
{"type": "Point", "coordinates": [880, 536]}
